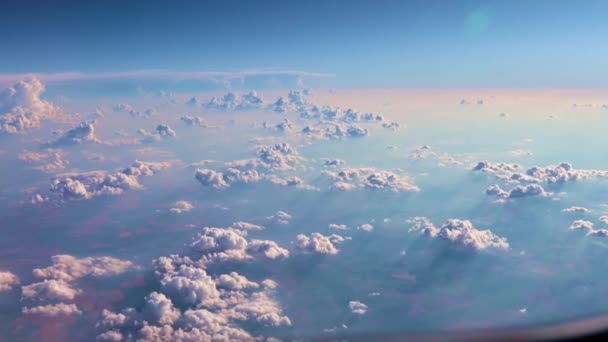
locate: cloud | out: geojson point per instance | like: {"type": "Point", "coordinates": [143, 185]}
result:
{"type": "Point", "coordinates": [366, 227]}
{"type": "Point", "coordinates": [280, 217]}
{"type": "Point", "coordinates": [333, 162]}
{"type": "Point", "coordinates": [581, 224]}
{"type": "Point", "coordinates": [246, 226]}
{"type": "Point", "coordinates": [84, 132]}
{"type": "Point", "coordinates": [235, 281]}
{"type": "Point", "coordinates": [529, 190]}
{"type": "Point", "coordinates": [231, 101]}
{"type": "Point", "coordinates": [162, 132]}
{"type": "Point", "coordinates": [352, 178]}
{"type": "Point", "coordinates": [7, 280]}
{"type": "Point", "coordinates": [22, 109]}
{"type": "Point", "coordinates": [181, 207]}
{"type": "Point", "coordinates": [576, 210]}
{"type": "Point", "coordinates": [52, 310]}
{"type": "Point", "coordinates": [69, 268]}
{"type": "Point", "coordinates": [318, 243]}
{"type": "Point", "coordinates": [50, 160]}
{"type": "Point", "coordinates": [194, 121]}
{"type": "Point", "coordinates": [553, 174]}
{"type": "Point", "coordinates": [357, 307]}
{"type": "Point", "coordinates": [50, 290]}
{"type": "Point", "coordinates": [86, 185]}
{"type": "Point", "coordinates": [222, 180]}
{"type": "Point", "coordinates": [461, 233]}
{"type": "Point", "coordinates": [337, 226]}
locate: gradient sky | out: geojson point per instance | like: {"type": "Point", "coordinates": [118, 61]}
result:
{"type": "Point", "coordinates": [424, 43]}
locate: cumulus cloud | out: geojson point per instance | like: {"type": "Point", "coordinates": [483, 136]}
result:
{"type": "Point", "coordinates": [231, 101]}
{"type": "Point", "coordinates": [351, 178]}
{"type": "Point", "coordinates": [576, 209]}
{"type": "Point", "coordinates": [337, 226]}
{"type": "Point", "coordinates": [318, 243]}
{"type": "Point", "coordinates": [357, 307]}
{"type": "Point", "coordinates": [52, 310]}
{"type": "Point", "coordinates": [562, 173]}
{"type": "Point", "coordinates": [529, 190]}
{"type": "Point", "coordinates": [7, 280]}
{"type": "Point", "coordinates": [222, 180]}
{"type": "Point", "coordinates": [51, 160]}
{"type": "Point", "coordinates": [366, 227]}
{"type": "Point", "coordinates": [69, 268]}
{"type": "Point", "coordinates": [581, 224]}
{"type": "Point", "coordinates": [333, 162]}
{"type": "Point", "coordinates": [194, 121]}
{"type": "Point", "coordinates": [181, 207]}
{"type": "Point", "coordinates": [461, 233]}
{"type": "Point", "coordinates": [86, 185]}
{"type": "Point", "coordinates": [22, 109]}
{"type": "Point", "coordinates": [162, 132]}
{"type": "Point", "coordinates": [84, 132]}
{"type": "Point", "coordinates": [246, 226]}
{"type": "Point", "coordinates": [280, 217]}
{"type": "Point", "coordinates": [50, 290]}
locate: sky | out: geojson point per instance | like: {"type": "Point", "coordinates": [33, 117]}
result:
{"type": "Point", "coordinates": [278, 170]}
{"type": "Point", "coordinates": [422, 43]}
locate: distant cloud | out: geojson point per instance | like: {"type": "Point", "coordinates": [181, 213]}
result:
{"type": "Point", "coordinates": [357, 307]}
{"type": "Point", "coordinates": [581, 225]}
{"type": "Point", "coordinates": [351, 178]}
{"type": "Point", "coordinates": [7, 280]}
{"type": "Point", "coordinates": [318, 243]}
{"type": "Point", "coordinates": [162, 132]}
{"type": "Point", "coordinates": [529, 190]}
{"type": "Point", "coordinates": [181, 207]}
{"type": "Point", "coordinates": [84, 132]}
{"type": "Point", "coordinates": [280, 217]}
{"type": "Point", "coordinates": [576, 210]}
{"type": "Point", "coordinates": [52, 310]}
{"type": "Point", "coordinates": [459, 232]}
{"type": "Point", "coordinates": [21, 107]}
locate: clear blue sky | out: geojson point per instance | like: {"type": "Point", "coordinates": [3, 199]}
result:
{"type": "Point", "coordinates": [424, 43]}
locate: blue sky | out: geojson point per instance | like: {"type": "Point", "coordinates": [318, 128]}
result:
{"type": "Point", "coordinates": [364, 44]}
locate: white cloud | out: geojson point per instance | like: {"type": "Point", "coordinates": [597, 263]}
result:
{"type": "Point", "coordinates": [280, 217]}
{"type": "Point", "coordinates": [181, 207]}
{"type": "Point", "coordinates": [22, 109]}
{"type": "Point", "coordinates": [69, 268]}
{"type": "Point", "coordinates": [86, 185]}
{"type": "Point", "coordinates": [460, 232]}
{"type": "Point", "coordinates": [366, 227]}
{"type": "Point", "coordinates": [50, 290]}
{"type": "Point", "coordinates": [84, 132]}
{"type": "Point", "coordinates": [529, 190]}
{"type": "Point", "coordinates": [318, 243]}
{"type": "Point", "coordinates": [52, 310]}
{"type": "Point", "coordinates": [337, 226]}
{"type": "Point", "coordinates": [231, 101]}
{"type": "Point", "coordinates": [357, 307]}
{"type": "Point", "coordinates": [351, 178]}
{"type": "Point", "coordinates": [194, 121]}
{"type": "Point", "coordinates": [246, 226]}
{"type": "Point", "coordinates": [581, 224]}
{"type": "Point", "coordinates": [576, 209]}
{"type": "Point", "coordinates": [162, 132]}
{"type": "Point", "coordinates": [7, 280]}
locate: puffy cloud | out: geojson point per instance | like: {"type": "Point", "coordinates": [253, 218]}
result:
{"type": "Point", "coordinates": [246, 226]}
{"type": "Point", "coordinates": [110, 335]}
{"type": "Point", "coordinates": [519, 191]}
{"type": "Point", "coordinates": [222, 180]}
{"type": "Point", "coordinates": [229, 244]}
{"type": "Point", "coordinates": [318, 243]}
{"type": "Point", "coordinates": [366, 227]}
{"type": "Point", "coordinates": [280, 217]}
{"type": "Point", "coordinates": [235, 281]}
{"type": "Point", "coordinates": [69, 268]}
{"type": "Point", "coordinates": [357, 307]}
{"type": "Point", "coordinates": [162, 132]}
{"type": "Point", "coordinates": [576, 210]}
{"type": "Point", "coordinates": [603, 219]}
{"type": "Point", "coordinates": [160, 309]}
{"type": "Point", "coordinates": [339, 131]}
{"type": "Point", "coordinates": [564, 172]}
{"type": "Point", "coordinates": [231, 101]}
{"type": "Point", "coordinates": [460, 232]}
{"type": "Point", "coordinates": [333, 162]}
{"type": "Point", "coordinates": [50, 290]}
{"type": "Point", "coordinates": [352, 178]}
{"type": "Point", "coordinates": [53, 310]}
{"type": "Point", "coordinates": [181, 207]}
{"type": "Point", "coordinates": [84, 132]}
{"type": "Point", "coordinates": [51, 160]}
{"type": "Point", "coordinates": [74, 186]}
{"type": "Point", "coordinates": [278, 157]}
{"type": "Point", "coordinates": [337, 226]}
{"type": "Point", "coordinates": [21, 107]}
{"type": "Point", "coordinates": [598, 232]}
{"type": "Point", "coordinates": [7, 280]}
{"type": "Point", "coordinates": [194, 121]}
{"type": "Point", "coordinates": [581, 224]}
{"type": "Point", "coordinates": [422, 152]}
